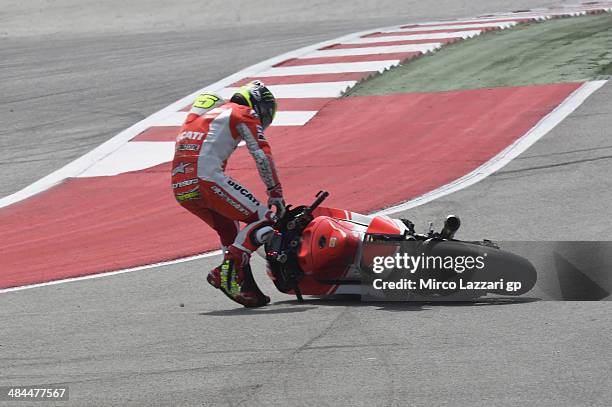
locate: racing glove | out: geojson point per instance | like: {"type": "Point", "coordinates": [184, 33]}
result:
{"type": "Point", "coordinates": [275, 198]}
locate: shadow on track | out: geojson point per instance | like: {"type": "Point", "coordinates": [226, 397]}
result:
{"type": "Point", "coordinates": [355, 301]}
{"type": "Point", "coordinates": [269, 310]}
{"type": "Point", "coordinates": [394, 306]}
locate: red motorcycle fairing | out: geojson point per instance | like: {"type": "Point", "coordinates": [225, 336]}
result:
{"type": "Point", "coordinates": [384, 225]}
{"type": "Point", "coordinates": [381, 225]}
{"type": "Point", "coordinates": [329, 247]}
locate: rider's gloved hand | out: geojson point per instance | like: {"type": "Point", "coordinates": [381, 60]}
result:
{"type": "Point", "coordinates": [275, 198]}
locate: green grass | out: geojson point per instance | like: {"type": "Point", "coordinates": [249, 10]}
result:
{"type": "Point", "coordinates": [562, 50]}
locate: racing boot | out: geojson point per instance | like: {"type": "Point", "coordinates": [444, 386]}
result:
{"type": "Point", "coordinates": [235, 279]}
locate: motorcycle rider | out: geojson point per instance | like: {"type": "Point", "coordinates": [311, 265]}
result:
{"type": "Point", "coordinates": [211, 132]}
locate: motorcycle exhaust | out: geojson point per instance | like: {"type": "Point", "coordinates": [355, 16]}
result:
{"type": "Point", "coordinates": [451, 225]}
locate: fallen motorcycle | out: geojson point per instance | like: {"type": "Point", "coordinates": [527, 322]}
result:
{"type": "Point", "coordinates": [319, 251]}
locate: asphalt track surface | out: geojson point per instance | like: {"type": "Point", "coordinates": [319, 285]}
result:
{"type": "Point", "coordinates": [124, 340]}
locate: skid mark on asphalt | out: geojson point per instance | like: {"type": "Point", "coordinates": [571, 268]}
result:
{"type": "Point", "coordinates": [578, 150]}
{"type": "Point", "coordinates": [548, 166]}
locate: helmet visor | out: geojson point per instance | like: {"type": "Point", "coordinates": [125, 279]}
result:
{"type": "Point", "coordinates": [267, 111]}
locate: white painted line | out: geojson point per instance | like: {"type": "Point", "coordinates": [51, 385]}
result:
{"type": "Point", "coordinates": [546, 124]}
{"type": "Point", "coordinates": [111, 273]}
{"type": "Point", "coordinates": [432, 36]}
{"type": "Point", "coordinates": [303, 90]}
{"type": "Point", "coordinates": [140, 155]}
{"type": "Point", "coordinates": [296, 118]}
{"type": "Point", "coordinates": [428, 47]}
{"type": "Point", "coordinates": [461, 26]}
{"type": "Point", "coordinates": [132, 156]}
{"type": "Point", "coordinates": [283, 118]}
{"type": "Point", "coordinates": [330, 68]}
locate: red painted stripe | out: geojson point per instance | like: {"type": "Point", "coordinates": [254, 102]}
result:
{"type": "Point", "coordinates": [349, 58]}
{"type": "Point", "coordinates": [425, 31]}
{"type": "Point", "coordinates": [311, 78]}
{"type": "Point", "coordinates": [277, 133]}
{"type": "Point", "coordinates": [90, 225]}
{"type": "Point", "coordinates": [159, 133]}
{"type": "Point", "coordinates": [391, 43]}
{"type": "Point", "coordinates": [503, 20]}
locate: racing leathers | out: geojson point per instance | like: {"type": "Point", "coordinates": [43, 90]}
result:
{"type": "Point", "coordinates": [206, 140]}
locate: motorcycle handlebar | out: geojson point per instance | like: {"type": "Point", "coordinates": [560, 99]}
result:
{"type": "Point", "coordinates": [321, 195]}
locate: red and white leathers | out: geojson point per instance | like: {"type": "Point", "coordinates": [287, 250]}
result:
{"type": "Point", "coordinates": [206, 140]}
